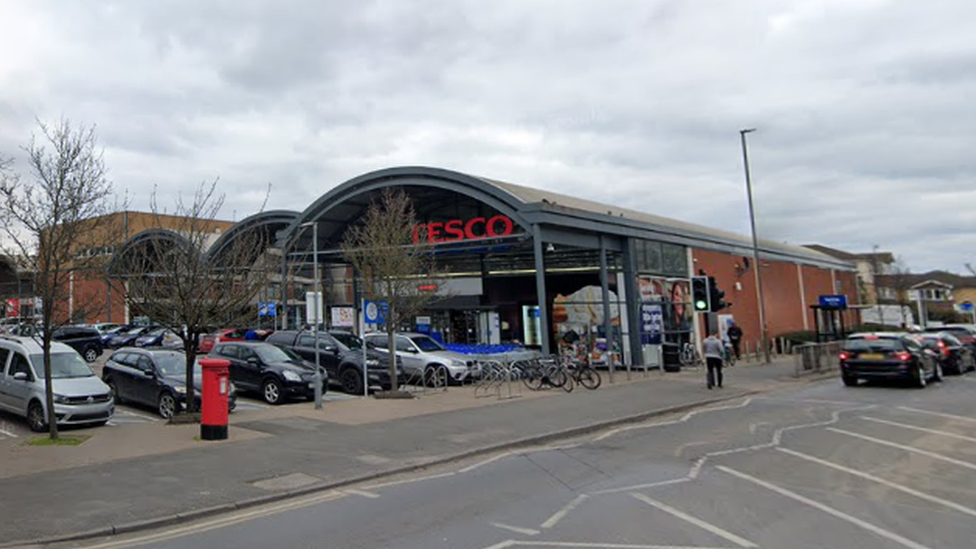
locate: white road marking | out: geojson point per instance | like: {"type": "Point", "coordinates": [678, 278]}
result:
{"type": "Point", "coordinates": [937, 414]}
{"type": "Point", "coordinates": [682, 419]}
{"type": "Point", "coordinates": [222, 522]}
{"type": "Point", "coordinates": [697, 467]}
{"type": "Point", "coordinates": [813, 400]}
{"type": "Point", "coordinates": [8, 433]}
{"type": "Point", "coordinates": [492, 459]}
{"type": "Point", "coordinates": [130, 413]}
{"type": "Point", "coordinates": [516, 529]}
{"type": "Point", "coordinates": [407, 481]}
{"type": "Point", "coordinates": [926, 453]}
{"type": "Point", "coordinates": [598, 545]}
{"type": "Point", "coordinates": [879, 480]}
{"type": "Point", "coordinates": [503, 545]}
{"type": "Point", "coordinates": [826, 509]}
{"type": "Point", "coordinates": [362, 493]}
{"type": "Point", "coordinates": [921, 429]}
{"type": "Point", "coordinates": [753, 427]}
{"type": "Point", "coordinates": [558, 516]}
{"type": "Point", "coordinates": [708, 527]}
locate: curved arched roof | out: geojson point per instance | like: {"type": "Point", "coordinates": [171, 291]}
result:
{"type": "Point", "coordinates": [146, 237]}
{"type": "Point", "coordinates": [271, 221]}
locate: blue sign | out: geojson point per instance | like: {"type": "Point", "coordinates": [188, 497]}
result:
{"type": "Point", "coordinates": [652, 323]}
{"type": "Point", "coordinates": [267, 309]}
{"type": "Point", "coordinates": [374, 311]}
{"type": "Point", "coordinates": [966, 306]}
{"type": "Point", "coordinates": [835, 302]}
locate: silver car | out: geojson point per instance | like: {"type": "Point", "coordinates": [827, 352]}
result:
{"type": "Point", "coordinates": [425, 358]}
{"type": "Point", "coordinates": [79, 396]}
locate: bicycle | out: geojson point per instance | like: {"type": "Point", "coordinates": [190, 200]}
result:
{"type": "Point", "coordinates": [545, 373]}
{"type": "Point", "coordinates": [583, 374]}
{"type": "Point", "coordinates": [689, 355]}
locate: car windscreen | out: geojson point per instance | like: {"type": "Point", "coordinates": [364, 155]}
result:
{"type": "Point", "coordinates": [874, 345]}
{"type": "Point", "coordinates": [156, 332]}
{"type": "Point", "coordinates": [348, 341]}
{"type": "Point", "coordinates": [426, 344]}
{"type": "Point", "coordinates": [135, 331]}
{"type": "Point", "coordinates": [170, 364]}
{"type": "Point", "coordinates": [63, 365]}
{"type": "Point", "coordinates": [270, 353]}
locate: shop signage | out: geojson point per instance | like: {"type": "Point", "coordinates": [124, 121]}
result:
{"type": "Point", "coordinates": [833, 302]}
{"type": "Point", "coordinates": [457, 230]}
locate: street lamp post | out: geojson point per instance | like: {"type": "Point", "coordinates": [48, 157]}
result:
{"type": "Point", "coordinates": [317, 314]}
{"type": "Point", "coordinates": [757, 267]}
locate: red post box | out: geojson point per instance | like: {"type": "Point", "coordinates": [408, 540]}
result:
{"type": "Point", "coordinates": [216, 388]}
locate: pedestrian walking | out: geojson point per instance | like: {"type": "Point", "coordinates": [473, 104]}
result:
{"type": "Point", "coordinates": [714, 356]}
{"type": "Point", "coordinates": [735, 337]}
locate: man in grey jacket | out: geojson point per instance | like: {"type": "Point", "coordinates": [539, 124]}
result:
{"type": "Point", "coordinates": [714, 355]}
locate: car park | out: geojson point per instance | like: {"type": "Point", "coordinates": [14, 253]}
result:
{"type": "Point", "coordinates": [426, 359]}
{"type": "Point", "coordinates": [127, 337]}
{"type": "Point", "coordinates": [159, 337]}
{"type": "Point", "coordinates": [887, 355]}
{"type": "Point", "coordinates": [84, 339]}
{"type": "Point", "coordinates": [276, 374]}
{"type": "Point", "coordinates": [154, 378]}
{"type": "Point", "coordinates": [80, 398]}
{"type": "Point", "coordinates": [106, 327]}
{"type": "Point", "coordinates": [341, 354]}
{"type": "Point", "coordinates": [953, 356]}
{"type": "Point", "coordinates": [207, 341]}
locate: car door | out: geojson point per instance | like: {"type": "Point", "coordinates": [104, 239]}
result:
{"type": "Point", "coordinates": [5, 402]}
{"type": "Point", "coordinates": [146, 381]}
{"type": "Point", "coordinates": [413, 361]}
{"type": "Point", "coordinates": [926, 357]}
{"type": "Point", "coordinates": [121, 371]}
{"type": "Point", "coordinates": [327, 352]}
{"type": "Point", "coordinates": [19, 390]}
{"type": "Point", "coordinates": [232, 354]}
{"type": "Point", "coordinates": [250, 366]}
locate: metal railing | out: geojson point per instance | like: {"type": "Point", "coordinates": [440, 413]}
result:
{"type": "Point", "coordinates": [815, 358]}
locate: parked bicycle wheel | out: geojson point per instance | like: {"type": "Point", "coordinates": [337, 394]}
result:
{"type": "Point", "coordinates": [589, 378]}
{"type": "Point", "coordinates": [558, 377]}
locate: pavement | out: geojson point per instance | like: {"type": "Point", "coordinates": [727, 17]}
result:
{"type": "Point", "coordinates": [141, 475]}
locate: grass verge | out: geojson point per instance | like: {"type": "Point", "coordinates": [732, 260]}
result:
{"type": "Point", "coordinates": [62, 440]}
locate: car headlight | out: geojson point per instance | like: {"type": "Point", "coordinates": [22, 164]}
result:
{"type": "Point", "coordinates": [291, 376]}
{"type": "Point", "coordinates": [459, 364]}
{"type": "Point", "coordinates": [180, 389]}
{"type": "Point", "coordinates": [60, 399]}
{"type": "Point", "coordinates": [372, 362]}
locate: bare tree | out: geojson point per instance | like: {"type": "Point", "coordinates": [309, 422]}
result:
{"type": "Point", "coordinates": [392, 266]}
{"type": "Point", "coordinates": [180, 280]}
{"type": "Point", "coordinates": [53, 218]}
{"type": "Point", "coordinates": [901, 281]}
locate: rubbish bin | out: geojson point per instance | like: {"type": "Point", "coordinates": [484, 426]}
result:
{"type": "Point", "coordinates": [671, 357]}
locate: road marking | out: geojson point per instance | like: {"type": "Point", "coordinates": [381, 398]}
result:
{"type": "Point", "coordinates": [8, 433]}
{"type": "Point", "coordinates": [516, 529]}
{"type": "Point", "coordinates": [917, 428]}
{"type": "Point", "coordinates": [503, 545]}
{"type": "Point", "coordinates": [598, 545]}
{"type": "Point", "coordinates": [773, 443]}
{"type": "Point", "coordinates": [362, 493]}
{"type": "Point", "coordinates": [926, 453]}
{"type": "Point", "coordinates": [130, 413]}
{"type": "Point", "coordinates": [553, 520]}
{"type": "Point", "coordinates": [753, 427]}
{"type": "Point", "coordinates": [879, 480]}
{"type": "Point", "coordinates": [708, 527]}
{"type": "Point", "coordinates": [492, 459]}
{"type": "Point", "coordinates": [682, 419]}
{"type": "Point", "coordinates": [826, 509]}
{"type": "Point", "coordinates": [407, 481]}
{"type": "Point", "coordinates": [813, 400]}
{"type": "Point", "coordinates": [938, 414]}
{"type": "Point", "coordinates": [217, 523]}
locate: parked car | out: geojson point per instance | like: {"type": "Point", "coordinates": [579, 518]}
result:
{"type": "Point", "coordinates": [953, 356]}
{"type": "Point", "coordinates": [208, 341]}
{"type": "Point", "coordinates": [154, 378]}
{"type": "Point", "coordinates": [887, 355]}
{"type": "Point", "coordinates": [79, 396]}
{"type": "Point", "coordinates": [106, 327]}
{"type": "Point", "coordinates": [341, 354]}
{"type": "Point", "coordinates": [127, 337]}
{"type": "Point", "coordinates": [86, 340]}
{"type": "Point", "coordinates": [275, 373]}
{"type": "Point", "coordinates": [966, 333]}
{"type": "Point", "coordinates": [160, 337]}
{"type": "Point", "coordinates": [426, 359]}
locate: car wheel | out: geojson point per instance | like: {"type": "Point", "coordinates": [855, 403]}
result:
{"type": "Point", "coordinates": [112, 388]}
{"type": "Point", "coordinates": [167, 405]}
{"type": "Point", "coordinates": [352, 382]}
{"type": "Point", "coordinates": [937, 373]}
{"type": "Point", "coordinates": [849, 381]}
{"type": "Point", "coordinates": [271, 391]}
{"type": "Point", "coordinates": [35, 417]}
{"type": "Point", "coordinates": [91, 354]}
{"type": "Point", "coordinates": [920, 377]}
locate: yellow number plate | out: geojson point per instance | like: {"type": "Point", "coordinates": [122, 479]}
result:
{"type": "Point", "coordinates": [872, 356]}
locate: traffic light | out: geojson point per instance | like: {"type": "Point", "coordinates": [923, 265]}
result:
{"type": "Point", "coordinates": [715, 296]}
{"type": "Point", "coordinates": [700, 294]}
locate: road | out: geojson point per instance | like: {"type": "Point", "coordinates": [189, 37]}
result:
{"type": "Point", "coordinates": [818, 466]}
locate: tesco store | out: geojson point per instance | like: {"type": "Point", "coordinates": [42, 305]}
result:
{"type": "Point", "coordinates": [538, 268]}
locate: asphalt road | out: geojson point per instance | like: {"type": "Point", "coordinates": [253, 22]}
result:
{"type": "Point", "coordinates": [820, 466]}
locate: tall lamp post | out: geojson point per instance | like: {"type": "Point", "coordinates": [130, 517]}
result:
{"type": "Point", "coordinates": [318, 315]}
{"type": "Point", "coordinates": [757, 267]}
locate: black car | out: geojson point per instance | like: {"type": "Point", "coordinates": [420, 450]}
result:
{"type": "Point", "coordinates": [887, 355]}
{"type": "Point", "coordinates": [154, 378]}
{"type": "Point", "coordinates": [125, 338]}
{"type": "Point", "coordinates": [273, 372]}
{"type": "Point", "coordinates": [954, 357]}
{"type": "Point", "coordinates": [341, 354]}
{"type": "Point", "coordinates": [87, 341]}
{"type": "Point", "coordinates": [965, 333]}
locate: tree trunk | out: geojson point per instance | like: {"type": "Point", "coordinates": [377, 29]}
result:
{"type": "Point", "coordinates": [191, 358]}
{"type": "Point", "coordinates": [52, 418]}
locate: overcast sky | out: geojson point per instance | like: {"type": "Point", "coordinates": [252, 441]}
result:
{"type": "Point", "coordinates": [864, 108]}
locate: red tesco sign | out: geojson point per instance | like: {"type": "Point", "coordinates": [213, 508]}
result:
{"type": "Point", "coordinates": [458, 229]}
